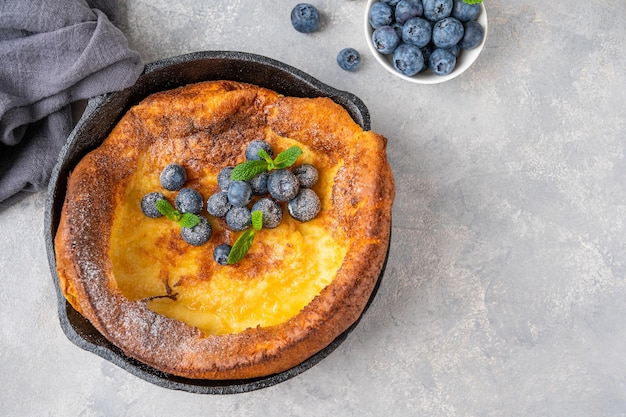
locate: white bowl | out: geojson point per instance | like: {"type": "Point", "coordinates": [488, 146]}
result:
{"type": "Point", "coordinates": [463, 61]}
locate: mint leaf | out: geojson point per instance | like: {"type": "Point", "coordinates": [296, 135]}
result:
{"type": "Point", "coordinates": [264, 155]}
{"type": "Point", "coordinates": [473, 1]}
{"type": "Point", "coordinates": [257, 220]}
{"type": "Point", "coordinates": [248, 170]}
{"type": "Point", "coordinates": [241, 246]}
{"type": "Point", "coordinates": [287, 158]}
{"type": "Point", "coordinates": [165, 208]}
{"type": "Point", "coordinates": [188, 220]}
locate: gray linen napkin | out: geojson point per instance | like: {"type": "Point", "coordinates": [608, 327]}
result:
{"type": "Point", "coordinates": [52, 53]}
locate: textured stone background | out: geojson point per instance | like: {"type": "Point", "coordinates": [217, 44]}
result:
{"type": "Point", "coordinates": [505, 292]}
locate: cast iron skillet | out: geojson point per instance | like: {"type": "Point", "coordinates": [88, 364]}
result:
{"type": "Point", "coordinates": [101, 115]}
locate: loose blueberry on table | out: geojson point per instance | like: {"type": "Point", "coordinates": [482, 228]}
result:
{"type": "Point", "coordinates": [305, 18]}
{"type": "Point", "coordinates": [349, 59]}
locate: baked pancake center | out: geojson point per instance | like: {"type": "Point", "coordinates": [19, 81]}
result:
{"type": "Point", "coordinates": [285, 269]}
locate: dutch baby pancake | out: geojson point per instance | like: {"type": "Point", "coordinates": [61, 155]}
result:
{"type": "Point", "coordinates": [167, 302]}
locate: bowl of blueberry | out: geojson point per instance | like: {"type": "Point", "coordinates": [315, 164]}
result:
{"type": "Point", "coordinates": [426, 41]}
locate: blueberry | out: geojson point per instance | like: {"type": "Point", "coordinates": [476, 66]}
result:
{"type": "Point", "coordinates": [380, 15]}
{"type": "Point", "coordinates": [447, 32]}
{"type": "Point", "coordinates": [306, 174]}
{"type": "Point", "coordinates": [199, 234]}
{"type": "Point", "coordinates": [305, 18]}
{"type": "Point", "coordinates": [272, 212]}
{"type": "Point", "coordinates": [349, 59]}
{"type": "Point", "coordinates": [435, 10]}
{"type": "Point", "coordinates": [217, 205]}
{"type": "Point", "coordinates": [465, 12]}
{"type": "Point", "coordinates": [426, 52]}
{"type": "Point", "coordinates": [305, 206]}
{"type": "Point", "coordinates": [258, 184]}
{"type": "Point", "coordinates": [473, 36]}
{"type": "Point", "coordinates": [385, 39]}
{"type": "Point", "coordinates": [442, 62]}
{"type": "Point", "coordinates": [223, 178]}
{"type": "Point", "coordinates": [282, 185]}
{"type": "Point", "coordinates": [407, 9]}
{"type": "Point", "coordinates": [189, 200]}
{"type": "Point", "coordinates": [391, 3]}
{"type": "Point", "coordinates": [238, 218]}
{"type": "Point", "coordinates": [221, 252]}
{"type": "Point", "coordinates": [454, 50]}
{"type": "Point", "coordinates": [417, 31]}
{"type": "Point", "coordinates": [408, 59]}
{"type": "Point", "coordinates": [398, 28]}
{"type": "Point", "coordinates": [148, 204]}
{"type": "Point", "coordinates": [253, 148]}
{"type": "Point", "coordinates": [239, 193]}
{"type": "Point", "coordinates": [173, 177]}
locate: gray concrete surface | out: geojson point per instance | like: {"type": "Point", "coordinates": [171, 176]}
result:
{"type": "Point", "coordinates": [505, 293]}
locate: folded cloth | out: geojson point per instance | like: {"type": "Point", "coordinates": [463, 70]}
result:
{"type": "Point", "coordinates": [52, 53]}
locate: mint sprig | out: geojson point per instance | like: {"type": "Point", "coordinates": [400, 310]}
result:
{"type": "Point", "coordinates": [287, 158]}
{"type": "Point", "coordinates": [250, 169]}
{"type": "Point", "coordinates": [187, 220]}
{"type": "Point", "coordinates": [257, 220]}
{"type": "Point", "coordinates": [472, 1]}
{"type": "Point", "coordinates": [247, 170]}
{"type": "Point", "coordinates": [244, 241]}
